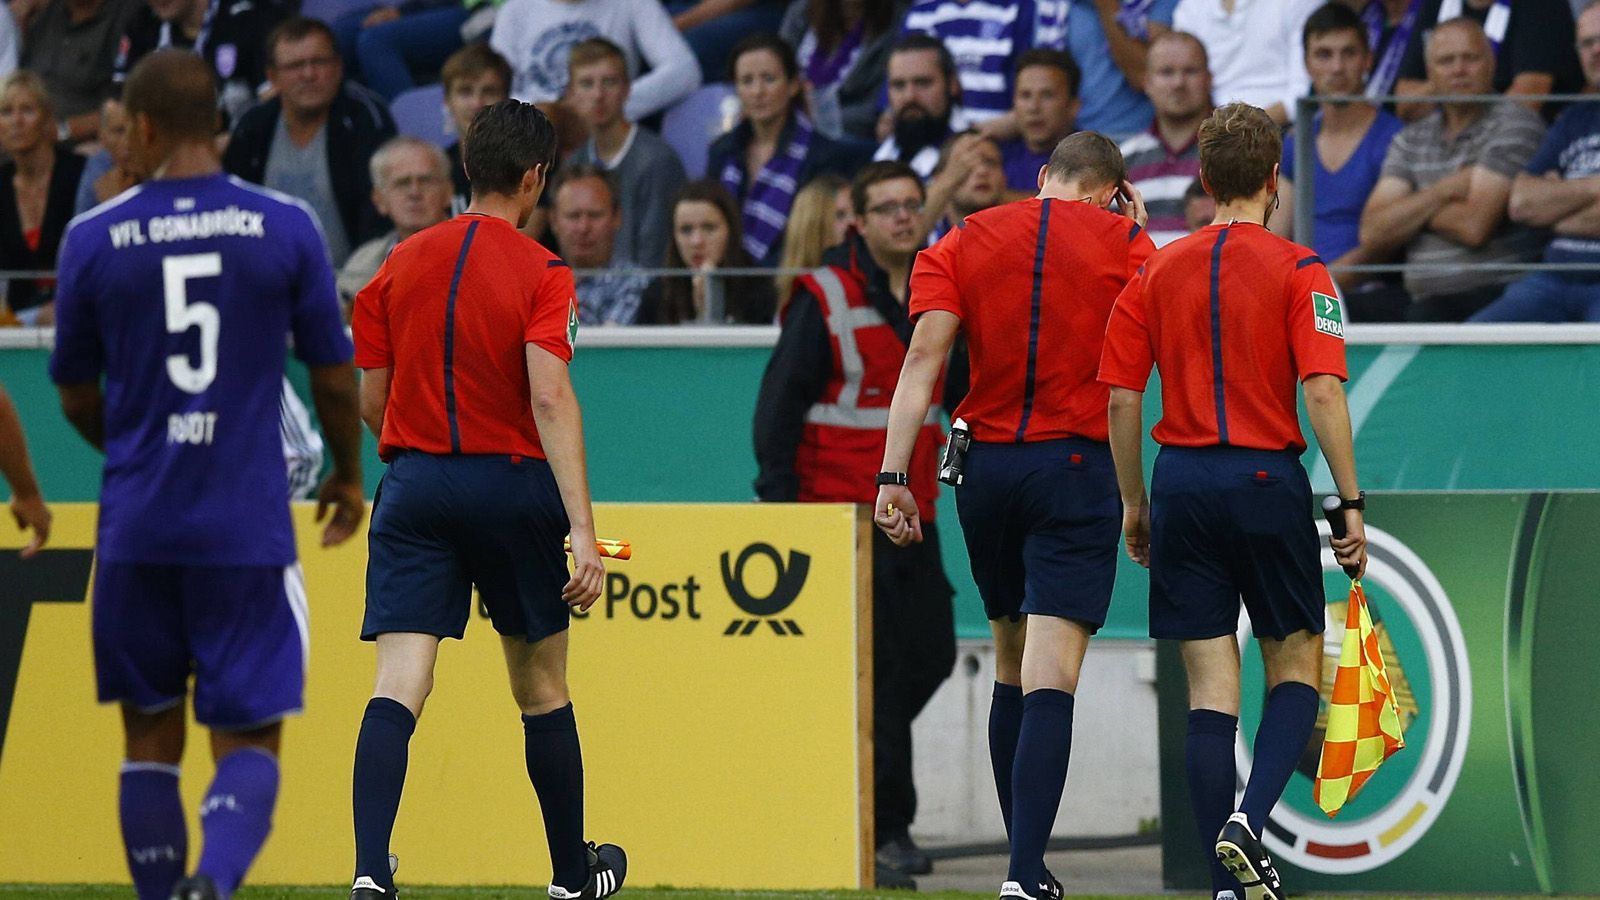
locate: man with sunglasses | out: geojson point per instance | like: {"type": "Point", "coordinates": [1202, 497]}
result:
{"type": "Point", "coordinates": [819, 425]}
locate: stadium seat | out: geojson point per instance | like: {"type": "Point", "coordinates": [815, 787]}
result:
{"type": "Point", "coordinates": [694, 123]}
{"type": "Point", "coordinates": [419, 112]}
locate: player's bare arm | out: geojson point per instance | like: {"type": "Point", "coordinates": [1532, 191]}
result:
{"type": "Point", "coordinates": [333, 390]}
{"type": "Point", "coordinates": [1330, 419]}
{"type": "Point", "coordinates": [560, 421]}
{"type": "Point", "coordinates": [930, 347]}
{"type": "Point", "coordinates": [84, 405]}
{"type": "Point", "coordinates": [1127, 451]}
{"type": "Point", "coordinates": [27, 504]}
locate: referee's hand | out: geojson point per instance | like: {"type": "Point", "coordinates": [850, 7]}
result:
{"type": "Point", "coordinates": [349, 505]}
{"type": "Point", "coordinates": [588, 573]}
{"type": "Point", "coordinates": [1136, 531]}
{"type": "Point", "coordinates": [896, 515]}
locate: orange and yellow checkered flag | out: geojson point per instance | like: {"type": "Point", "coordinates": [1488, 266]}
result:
{"type": "Point", "coordinates": [1363, 719]}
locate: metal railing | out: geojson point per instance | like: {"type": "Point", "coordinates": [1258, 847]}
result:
{"type": "Point", "coordinates": [1305, 167]}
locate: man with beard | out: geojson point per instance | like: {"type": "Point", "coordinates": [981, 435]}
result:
{"type": "Point", "coordinates": [923, 103]}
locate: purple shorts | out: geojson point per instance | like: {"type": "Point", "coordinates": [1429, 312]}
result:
{"type": "Point", "coordinates": [241, 631]}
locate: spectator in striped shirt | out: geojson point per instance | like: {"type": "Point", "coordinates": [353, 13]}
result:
{"type": "Point", "coordinates": [1445, 183]}
{"type": "Point", "coordinates": [984, 36]}
{"type": "Point", "coordinates": [1165, 160]}
{"type": "Point", "coordinates": [1045, 106]}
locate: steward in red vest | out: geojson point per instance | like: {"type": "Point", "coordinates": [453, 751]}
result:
{"type": "Point", "coordinates": [820, 424]}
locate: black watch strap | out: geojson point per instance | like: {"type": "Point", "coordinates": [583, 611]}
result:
{"type": "Point", "coordinates": [1360, 502]}
{"type": "Point", "coordinates": [892, 478]}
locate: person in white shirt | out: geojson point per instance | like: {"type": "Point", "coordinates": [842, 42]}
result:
{"type": "Point", "coordinates": [536, 36]}
{"type": "Point", "coordinates": [1255, 49]}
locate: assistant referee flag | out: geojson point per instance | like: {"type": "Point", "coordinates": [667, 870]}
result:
{"type": "Point", "coordinates": [1363, 719]}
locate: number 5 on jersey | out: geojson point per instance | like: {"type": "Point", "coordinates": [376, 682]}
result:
{"type": "Point", "coordinates": [183, 315]}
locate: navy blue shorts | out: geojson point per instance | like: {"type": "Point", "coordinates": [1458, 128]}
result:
{"type": "Point", "coordinates": [1042, 522]}
{"type": "Point", "coordinates": [1228, 523]}
{"type": "Point", "coordinates": [241, 631]}
{"type": "Point", "coordinates": [444, 524]}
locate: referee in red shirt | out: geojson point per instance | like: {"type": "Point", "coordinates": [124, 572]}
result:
{"type": "Point", "coordinates": [464, 335]}
{"type": "Point", "coordinates": [1234, 317]}
{"type": "Point", "coordinates": [1031, 285]}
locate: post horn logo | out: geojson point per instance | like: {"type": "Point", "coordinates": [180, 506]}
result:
{"type": "Point", "coordinates": [791, 578]}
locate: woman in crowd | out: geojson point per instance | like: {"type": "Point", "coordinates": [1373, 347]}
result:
{"type": "Point", "coordinates": [820, 218]}
{"type": "Point", "coordinates": [705, 237]}
{"type": "Point", "coordinates": [843, 49]}
{"type": "Point", "coordinates": [775, 150]}
{"type": "Point", "coordinates": [106, 174]}
{"type": "Point", "coordinates": [38, 188]}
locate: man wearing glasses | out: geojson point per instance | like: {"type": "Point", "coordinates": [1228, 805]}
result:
{"type": "Point", "coordinates": [411, 188]}
{"type": "Point", "coordinates": [313, 140]}
{"type": "Point", "coordinates": [820, 423]}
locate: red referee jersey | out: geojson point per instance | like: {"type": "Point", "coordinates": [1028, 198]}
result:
{"type": "Point", "coordinates": [1234, 317]}
{"type": "Point", "coordinates": [448, 314]}
{"type": "Point", "coordinates": [1033, 283]}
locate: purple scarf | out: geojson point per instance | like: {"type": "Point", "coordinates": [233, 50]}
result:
{"type": "Point", "coordinates": [823, 71]}
{"type": "Point", "coordinates": [771, 193]}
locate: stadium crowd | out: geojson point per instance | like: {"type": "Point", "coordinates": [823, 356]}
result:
{"type": "Point", "coordinates": [972, 94]}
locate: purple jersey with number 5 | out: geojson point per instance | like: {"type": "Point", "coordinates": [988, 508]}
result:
{"type": "Point", "coordinates": [180, 293]}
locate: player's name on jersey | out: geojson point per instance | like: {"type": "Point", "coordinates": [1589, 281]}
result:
{"type": "Point", "coordinates": [191, 428]}
{"type": "Point", "coordinates": [230, 221]}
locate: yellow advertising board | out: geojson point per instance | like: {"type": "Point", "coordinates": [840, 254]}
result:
{"type": "Point", "coordinates": [721, 684]}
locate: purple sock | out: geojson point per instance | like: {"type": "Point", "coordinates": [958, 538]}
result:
{"type": "Point", "coordinates": [153, 830]}
{"type": "Point", "coordinates": [236, 816]}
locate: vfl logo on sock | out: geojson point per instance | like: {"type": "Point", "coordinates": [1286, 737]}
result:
{"type": "Point", "coordinates": [218, 802]}
{"type": "Point", "coordinates": [145, 856]}
{"type": "Point", "coordinates": [791, 578]}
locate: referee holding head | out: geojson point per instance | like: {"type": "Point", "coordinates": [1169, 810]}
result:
{"type": "Point", "coordinates": [465, 334]}
{"type": "Point", "coordinates": [1234, 317]}
{"type": "Point", "coordinates": [1031, 285]}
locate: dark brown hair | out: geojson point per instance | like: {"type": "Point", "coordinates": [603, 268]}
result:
{"type": "Point", "coordinates": [1060, 60]}
{"type": "Point", "coordinates": [1089, 158]}
{"type": "Point", "coordinates": [827, 21]}
{"type": "Point", "coordinates": [592, 50]}
{"type": "Point", "coordinates": [503, 143]}
{"type": "Point", "coordinates": [297, 28]}
{"type": "Point", "coordinates": [177, 91]}
{"type": "Point", "coordinates": [1239, 145]}
{"type": "Point", "coordinates": [877, 173]}
{"type": "Point", "coordinates": [677, 291]}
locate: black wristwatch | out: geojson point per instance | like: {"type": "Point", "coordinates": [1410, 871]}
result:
{"type": "Point", "coordinates": [892, 478]}
{"type": "Point", "coordinates": [1360, 502]}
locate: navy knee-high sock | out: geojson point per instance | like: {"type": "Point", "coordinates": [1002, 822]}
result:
{"type": "Point", "coordinates": [1286, 724]}
{"type": "Point", "coordinates": [1044, 746]}
{"type": "Point", "coordinates": [1208, 754]}
{"type": "Point", "coordinates": [1005, 725]}
{"type": "Point", "coordinates": [379, 779]}
{"type": "Point", "coordinates": [153, 829]}
{"type": "Point", "coordinates": [555, 766]}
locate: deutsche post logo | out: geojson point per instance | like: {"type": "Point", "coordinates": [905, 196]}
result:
{"type": "Point", "coordinates": [791, 578]}
{"type": "Point", "coordinates": [1427, 660]}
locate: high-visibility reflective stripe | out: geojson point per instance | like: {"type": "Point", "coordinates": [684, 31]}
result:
{"type": "Point", "coordinates": [868, 419]}
{"type": "Point", "coordinates": [840, 324]}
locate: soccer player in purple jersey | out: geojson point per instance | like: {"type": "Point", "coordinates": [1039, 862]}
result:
{"type": "Point", "coordinates": [177, 296]}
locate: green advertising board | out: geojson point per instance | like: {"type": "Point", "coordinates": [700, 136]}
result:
{"type": "Point", "coordinates": [1483, 603]}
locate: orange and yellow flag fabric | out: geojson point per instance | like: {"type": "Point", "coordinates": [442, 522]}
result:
{"type": "Point", "coordinates": [1363, 719]}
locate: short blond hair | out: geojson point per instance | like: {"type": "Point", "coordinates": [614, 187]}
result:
{"type": "Point", "coordinates": [1239, 145]}
{"type": "Point", "coordinates": [27, 80]}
